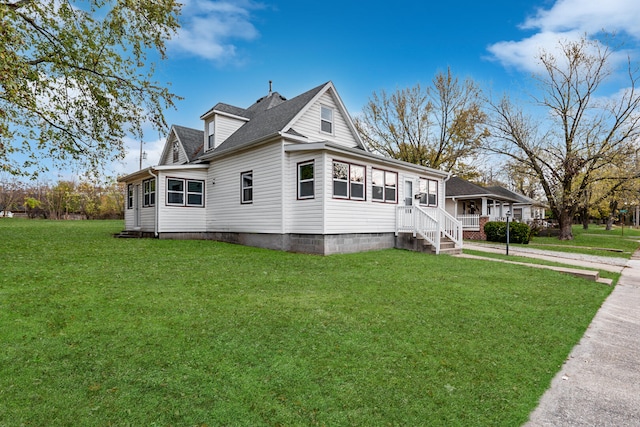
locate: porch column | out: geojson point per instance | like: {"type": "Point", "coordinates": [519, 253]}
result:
{"type": "Point", "coordinates": [484, 206]}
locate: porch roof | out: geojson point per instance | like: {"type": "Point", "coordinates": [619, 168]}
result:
{"type": "Point", "coordinates": [459, 188]}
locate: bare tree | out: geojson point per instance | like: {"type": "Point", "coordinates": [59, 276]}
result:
{"type": "Point", "coordinates": [440, 126]}
{"type": "Point", "coordinates": [579, 135]}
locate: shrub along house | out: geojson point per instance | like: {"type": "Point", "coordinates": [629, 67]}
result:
{"type": "Point", "coordinates": [291, 175]}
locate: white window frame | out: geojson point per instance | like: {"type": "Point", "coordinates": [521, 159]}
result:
{"type": "Point", "coordinates": [326, 121]}
{"type": "Point", "coordinates": [130, 196]}
{"type": "Point", "coordinates": [349, 181]}
{"type": "Point", "coordinates": [243, 199]}
{"type": "Point", "coordinates": [185, 193]}
{"type": "Point", "coordinates": [211, 134]}
{"type": "Point", "coordinates": [149, 192]}
{"type": "Point", "coordinates": [384, 186]}
{"type": "Point", "coordinates": [176, 151]}
{"type": "Point", "coordinates": [426, 193]}
{"type": "Point", "coordinates": [306, 180]}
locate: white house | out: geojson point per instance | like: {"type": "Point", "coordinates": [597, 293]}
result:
{"type": "Point", "coordinates": [291, 175]}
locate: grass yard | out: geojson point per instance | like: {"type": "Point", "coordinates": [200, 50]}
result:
{"type": "Point", "coordinates": [98, 331]}
{"type": "Point", "coordinates": [594, 241]}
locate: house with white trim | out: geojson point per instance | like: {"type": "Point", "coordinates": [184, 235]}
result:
{"type": "Point", "coordinates": [288, 174]}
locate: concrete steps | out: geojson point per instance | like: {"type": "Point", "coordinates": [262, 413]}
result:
{"type": "Point", "coordinates": [418, 244]}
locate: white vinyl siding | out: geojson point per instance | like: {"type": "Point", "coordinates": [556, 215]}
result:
{"type": "Point", "coordinates": [225, 212]}
{"type": "Point", "coordinates": [356, 216]}
{"type": "Point", "coordinates": [309, 123]}
{"type": "Point", "coordinates": [304, 215]}
{"type": "Point", "coordinates": [225, 127]}
{"type": "Point", "coordinates": [147, 215]}
{"type": "Point", "coordinates": [167, 159]}
{"type": "Point", "coordinates": [180, 218]}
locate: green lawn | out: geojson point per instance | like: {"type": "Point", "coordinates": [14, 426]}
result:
{"type": "Point", "coordinates": [97, 331]}
{"type": "Point", "coordinates": [594, 241]}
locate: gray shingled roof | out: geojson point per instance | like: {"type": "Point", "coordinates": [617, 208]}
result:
{"type": "Point", "coordinates": [501, 191]}
{"type": "Point", "coordinates": [457, 187]}
{"type": "Point", "coordinates": [192, 141]}
{"type": "Point", "coordinates": [226, 108]}
{"type": "Point", "coordinates": [268, 115]}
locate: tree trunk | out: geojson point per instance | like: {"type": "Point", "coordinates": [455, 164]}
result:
{"type": "Point", "coordinates": [584, 216]}
{"type": "Point", "coordinates": [565, 220]}
{"type": "Point", "coordinates": [613, 206]}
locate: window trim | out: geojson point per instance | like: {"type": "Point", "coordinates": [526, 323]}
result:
{"type": "Point", "coordinates": [349, 182]}
{"type": "Point", "coordinates": [129, 196]}
{"type": "Point", "coordinates": [384, 186]}
{"type": "Point", "coordinates": [176, 151]}
{"type": "Point", "coordinates": [211, 134]}
{"type": "Point", "coordinates": [427, 193]}
{"type": "Point", "coordinates": [149, 195]}
{"type": "Point", "coordinates": [244, 201]}
{"type": "Point", "coordinates": [331, 122]}
{"type": "Point", "coordinates": [185, 192]}
{"type": "Point", "coordinates": [301, 181]}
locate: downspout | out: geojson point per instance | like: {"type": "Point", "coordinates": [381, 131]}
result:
{"type": "Point", "coordinates": [157, 205]}
{"type": "Point", "coordinates": [449, 175]}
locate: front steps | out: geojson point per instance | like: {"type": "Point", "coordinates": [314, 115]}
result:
{"type": "Point", "coordinates": [417, 244]}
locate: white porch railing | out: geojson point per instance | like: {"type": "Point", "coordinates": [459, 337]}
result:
{"type": "Point", "coordinates": [472, 222]}
{"type": "Point", "coordinates": [469, 222]}
{"type": "Point", "coordinates": [430, 224]}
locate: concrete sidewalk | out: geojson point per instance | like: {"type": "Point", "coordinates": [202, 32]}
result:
{"type": "Point", "coordinates": [612, 264]}
{"type": "Point", "coordinates": [599, 384]}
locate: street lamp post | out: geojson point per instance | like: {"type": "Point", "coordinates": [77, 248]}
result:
{"type": "Point", "coordinates": [508, 214]}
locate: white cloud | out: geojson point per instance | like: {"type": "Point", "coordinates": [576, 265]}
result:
{"type": "Point", "coordinates": [590, 16]}
{"type": "Point", "coordinates": [568, 20]}
{"type": "Point", "coordinates": [208, 28]}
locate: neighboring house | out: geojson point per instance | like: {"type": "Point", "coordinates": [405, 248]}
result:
{"type": "Point", "coordinates": [291, 175]}
{"type": "Point", "coordinates": [474, 205]}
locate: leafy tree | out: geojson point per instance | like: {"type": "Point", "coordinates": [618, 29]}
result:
{"type": "Point", "coordinates": [32, 206]}
{"type": "Point", "coordinates": [440, 126]}
{"type": "Point", "coordinates": [579, 135]}
{"type": "Point", "coordinates": [76, 77]}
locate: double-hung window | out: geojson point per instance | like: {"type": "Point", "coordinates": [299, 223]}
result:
{"type": "Point", "coordinates": [428, 192]}
{"type": "Point", "coordinates": [130, 196]}
{"type": "Point", "coordinates": [348, 181]}
{"type": "Point", "coordinates": [384, 186]}
{"type": "Point", "coordinates": [246, 187]}
{"type": "Point", "coordinates": [211, 135]}
{"type": "Point", "coordinates": [195, 193]}
{"type": "Point", "coordinates": [326, 119]}
{"type": "Point", "coordinates": [306, 183]}
{"type": "Point", "coordinates": [185, 192]}
{"type": "Point", "coordinates": [149, 191]}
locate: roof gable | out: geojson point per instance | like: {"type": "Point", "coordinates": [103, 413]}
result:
{"type": "Point", "coordinates": [191, 142]}
{"type": "Point", "coordinates": [274, 115]}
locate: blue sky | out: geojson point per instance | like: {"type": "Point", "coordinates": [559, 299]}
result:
{"type": "Point", "coordinates": [227, 51]}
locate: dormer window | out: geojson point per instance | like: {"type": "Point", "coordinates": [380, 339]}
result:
{"type": "Point", "coordinates": [211, 132]}
{"type": "Point", "coordinates": [176, 152]}
{"type": "Point", "coordinates": [326, 119]}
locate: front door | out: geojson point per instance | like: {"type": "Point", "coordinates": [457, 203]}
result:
{"type": "Point", "coordinates": [408, 193]}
